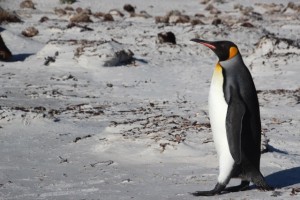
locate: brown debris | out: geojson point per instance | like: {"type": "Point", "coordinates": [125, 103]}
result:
{"type": "Point", "coordinates": [81, 17]}
{"type": "Point", "coordinates": [59, 11]}
{"type": "Point", "coordinates": [292, 6]}
{"type": "Point", "coordinates": [69, 8]}
{"type": "Point", "coordinates": [179, 19]}
{"type": "Point", "coordinates": [204, 1]}
{"type": "Point", "coordinates": [295, 191]}
{"type": "Point", "coordinates": [87, 11]}
{"type": "Point", "coordinates": [30, 32]}
{"type": "Point", "coordinates": [166, 37]}
{"type": "Point", "coordinates": [116, 12]}
{"type": "Point", "coordinates": [199, 15]}
{"type": "Point", "coordinates": [163, 146]}
{"type": "Point", "coordinates": [143, 14]}
{"type": "Point", "coordinates": [27, 4]}
{"type": "Point", "coordinates": [6, 16]}
{"type": "Point", "coordinates": [79, 10]}
{"type": "Point", "coordinates": [161, 19]}
{"type": "Point", "coordinates": [98, 14]}
{"type": "Point", "coordinates": [196, 22]}
{"type": "Point", "coordinates": [108, 18]}
{"type": "Point", "coordinates": [212, 10]}
{"type": "Point", "coordinates": [5, 53]}
{"type": "Point", "coordinates": [173, 17]}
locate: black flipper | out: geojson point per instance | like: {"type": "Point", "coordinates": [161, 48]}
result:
{"type": "Point", "coordinates": [217, 190]}
{"type": "Point", "coordinates": [242, 187]}
{"type": "Point", "coordinates": [234, 120]}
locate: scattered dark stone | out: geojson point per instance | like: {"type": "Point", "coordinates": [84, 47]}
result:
{"type": "Point", "coordinates": [5, 53]}
{"type": "Point", "coordinates": [199, 15]}
{"type": "Point", "coordinates": [166, 37]}
{"type": "Point", "coordinates": [216, 22]}
{"type": "Point", "coordinates": [276, 194]}
{"type": "Point", "coordinates": [109, 85]}
{"type": "Point", "coordinates": [122, 57]}
{"type": "Point", "coordinates": [80, 138]}
{"type": "Point", "coordinates": [49, 60]}
{"type": "Point", "coordinates": [152, 104]}
{"type": "Point", "coordinates": [108, 18]}
{"type": "Point", "coordinates": [27, 4]}
{"type": "Point", "coordinates": [129, 8]}
{"type": "Point", "coordinates": [247, 24]}
{"type": "Point", "coordinates": [44, 19]}
{"type": "Point", "coordinates": [30, 32]}
{"type": "Point", "coordinates": [63, 160]}
{"type": "Point", "coordinates": [23, 109]}
{"type": "Point", "coordinates": [39, 109]}
{"type": "Point", "coordinates": [56, 120]}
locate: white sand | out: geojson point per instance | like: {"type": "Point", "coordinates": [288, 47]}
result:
{"type": "Point", "coordinates": [78, 130]}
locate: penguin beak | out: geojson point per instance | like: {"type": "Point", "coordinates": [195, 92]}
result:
{"type": "Point", "coordinates": [205, 43]}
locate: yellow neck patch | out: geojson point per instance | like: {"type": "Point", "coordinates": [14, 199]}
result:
{"type": "Point", "coordinates": [232, 52]}
{"type": "Point", "coordinates": [218, 68]}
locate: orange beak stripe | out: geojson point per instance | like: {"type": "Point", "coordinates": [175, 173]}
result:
{"type": "Point", "coordinates": [208, 45]}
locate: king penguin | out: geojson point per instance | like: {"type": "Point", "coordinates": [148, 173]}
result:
{"type": "Point", "coordinates": [235, 120]}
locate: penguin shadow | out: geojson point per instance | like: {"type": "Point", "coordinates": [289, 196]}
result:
{"type": "Point", "coordinates": [284, 178]}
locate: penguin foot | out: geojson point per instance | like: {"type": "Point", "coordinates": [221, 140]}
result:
{"type": "Point", "coordinates": [260, 182]}
{"type": "Point", "coordinates": [266, 188]}
{"type": "Point", "coordinates": [242, 187]}
{"type": "Point", "coordinates": [217, 190]}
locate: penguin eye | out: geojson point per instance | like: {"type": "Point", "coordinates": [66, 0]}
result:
{"type": "Point", "coordinates": [224, 46]}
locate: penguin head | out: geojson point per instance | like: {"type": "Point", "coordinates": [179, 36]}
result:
{"type": "Point", "coordinates": [225, 50]}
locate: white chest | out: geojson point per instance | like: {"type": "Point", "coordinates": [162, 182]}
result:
{"type": "Point", "coordinates": [217, 112]}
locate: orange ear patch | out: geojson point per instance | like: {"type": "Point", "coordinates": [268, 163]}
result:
{"type": "Point", "coordinates": [232, 52]}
